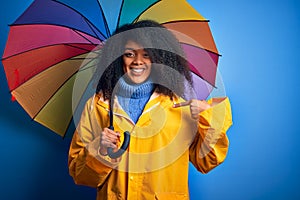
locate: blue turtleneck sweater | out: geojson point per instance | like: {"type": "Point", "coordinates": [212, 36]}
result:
{"type": "Point", "coordinates": [133, 97]}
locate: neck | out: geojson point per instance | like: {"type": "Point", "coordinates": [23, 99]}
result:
{"type": "Point", "coordinates": [132, 90]}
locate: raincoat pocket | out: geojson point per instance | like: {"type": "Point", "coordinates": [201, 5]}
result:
{"type": "Point", "coordinates": [171, 196]}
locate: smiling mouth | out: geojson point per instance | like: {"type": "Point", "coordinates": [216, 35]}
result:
{"type": "Point", "coordinates": [137, 70]}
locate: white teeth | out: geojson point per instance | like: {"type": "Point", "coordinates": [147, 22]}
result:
{"type": "Point", "coordinates": [137, 70]}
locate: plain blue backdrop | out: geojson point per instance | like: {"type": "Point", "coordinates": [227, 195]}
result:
{"type": "Point", "coordinates": [259, 42]}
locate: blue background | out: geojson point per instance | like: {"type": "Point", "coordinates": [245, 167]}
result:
{"type": "Point", "coordinates": [259, 42]}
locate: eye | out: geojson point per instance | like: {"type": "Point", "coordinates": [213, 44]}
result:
{"type": "Point", "coordinates": [129, 54]}
{"type": "Point", "coordinates": [146, 55]}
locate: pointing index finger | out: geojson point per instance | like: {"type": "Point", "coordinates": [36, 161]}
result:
{"type": "Point", "coordinates": [181, 104]}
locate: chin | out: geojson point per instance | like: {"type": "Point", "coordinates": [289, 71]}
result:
{"type": "Point", "coordinates": [138, 81]}
{"type": "Point", "coordinates": [135, 80]}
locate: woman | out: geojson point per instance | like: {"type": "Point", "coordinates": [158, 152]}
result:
{"type": "Point", "coordinates": [142, 77]}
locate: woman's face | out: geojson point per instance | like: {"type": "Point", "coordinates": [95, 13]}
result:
{"type": "Point", "coordinates": [137, 63]}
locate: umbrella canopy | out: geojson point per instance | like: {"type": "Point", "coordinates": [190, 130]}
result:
{"type": "Point", "coordinates": [49, 42]}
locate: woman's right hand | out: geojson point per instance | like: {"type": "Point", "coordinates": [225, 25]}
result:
{"type": "Point", "coordinates": [108, 138]}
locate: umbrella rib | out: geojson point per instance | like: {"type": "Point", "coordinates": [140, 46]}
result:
{"type": "Point", "coordinates": [119, 17]}
{"type": "Point", "coordinates": [44, 47]}
{"type": "Point", "coordinates": [146, 10]}
{"type": "Point", "coordinates": [58, 90]}
{"type": "Point", "coordinates": [77, 106]}
{"type": "Point", "coordinates": [200, 48]}
{"type": "Point", "coordinates": [105, 22]}
{"type": "Point", "coordinates": [208, 51]}
{"type": "Point", "coordinates": [81, 48]}
{"type": "Point", "coordinates": [69, 124]}
{"type": "Point", "coordinates": [68, 127]}
{"type": "Point", "coordinates": [90, 25]}
{"type": "Point", "coordinates": [89, 22]}
{"type": "Point", "coordinates": [213, 85]}
{"type": "Point", "coordinates": [78, 33]}
{"type": "Point", "coordinates": [187, 20]}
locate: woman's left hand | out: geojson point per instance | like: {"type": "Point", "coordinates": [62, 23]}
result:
{"type": "Point", "coordinates": [196, 107]}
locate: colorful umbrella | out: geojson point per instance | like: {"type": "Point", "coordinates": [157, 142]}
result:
{"type": "Point", "coordinates": [49, 42]}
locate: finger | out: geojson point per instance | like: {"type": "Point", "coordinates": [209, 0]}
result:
{"type": "Point", "coordinates": [106, 144]}
{"type": "Point", "coordinates": [106, 138]}
{"type": "Point", "coordinates": [111, 132]}
{"type": "Point", "coordinates": [206, 105]}
{"type": "Point", "coordinates": [110, 140]}
{"type": "Point", "coordinates": [113, 136]}
{"type": "Point", "coordinates": [181, 104]}
{"type": "Point", "coordinates": [195, 111]}
{"type": "Point", "coordinates": [196, 116]}
{"type": "Point", "coordinates": [194, 103]}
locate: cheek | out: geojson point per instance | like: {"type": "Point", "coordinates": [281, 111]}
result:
{"type": "Point", "coordinates": [125, 65]}
{"type": "Point", "coordinates": [148, 62]}
{"type": "Point", "coordinates": [150, 67]}
{"type": "Point", "coordinates": [124, 68]}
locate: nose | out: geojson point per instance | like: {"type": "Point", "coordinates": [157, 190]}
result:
{"type": "Point", "coordinates": [138, 59]}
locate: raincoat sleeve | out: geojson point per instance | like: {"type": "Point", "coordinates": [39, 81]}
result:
{"type": "Point", "coordinates": [86, 165]}
{"type": "Point", "coordinates": [210, 145]}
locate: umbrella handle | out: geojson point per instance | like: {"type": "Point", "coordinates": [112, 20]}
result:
{"type": "Point", "coordinates": [123, 148]}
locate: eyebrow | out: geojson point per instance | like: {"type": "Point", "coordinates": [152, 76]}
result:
{"type": "Point", "coordinates": [133, 49]}
{"type": "Point", "coordinates": [129, 48]}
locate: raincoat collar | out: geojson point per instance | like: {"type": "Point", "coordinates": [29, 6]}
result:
{"type": "Point", "coordinates": [155, 100]}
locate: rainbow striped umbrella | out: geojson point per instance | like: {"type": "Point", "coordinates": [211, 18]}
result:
{"type": "Point", "coordinates": [49, 42]}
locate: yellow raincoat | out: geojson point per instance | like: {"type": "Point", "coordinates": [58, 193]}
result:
{"type": "Point", "coordinates": [163, 141]}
